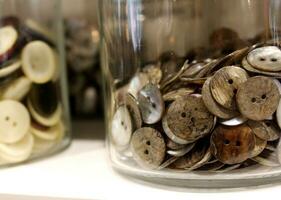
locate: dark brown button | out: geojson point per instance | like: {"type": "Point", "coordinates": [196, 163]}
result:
{"type": "Point", "coordinates": [148, 147]}
{"type": "Point", "coordinates": [151, 104]}
{"type": "Point", "coordinates": [213, 106]}
{"type": "Point", "coordinates": [225, 83]}
{"type": "Point", "coordinates": [266, 130]}
{"type": "Point", "coordinates": [187, 119]}
{"type": "Point", "coordinates": [133, 108]}
{"type": "Point", "coordinates": [232, 144]}
{"type": "Point", "coordinates": [258, 98]}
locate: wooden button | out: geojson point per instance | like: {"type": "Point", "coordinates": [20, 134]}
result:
{"type": "Point", "coordinates": [191, 158]}
{"type": "Point", "coordinates": [232, 144]}
{"type": "Point", "coordinates": [260, 145]}
{"type": "Point", "coordinates": [151, 104]}
{"type": "Point", "coordinates": [266, 130]}
{"type": "Point", "coordinates": [258, 98]}
{"type": "Point", "coordinates": [213, 106]}
{"type": "Point", "coordinates": [187, 119]}
{"type": "Point", "coordinates": [172, 145]}
{"type": "Point", "coordinates": [225, 83]}
{"type": "Point", "coordinates": [174, 94]}
{"type": "Point", "coordinates": [134, 111]}
{"type": "Point", "coordinates": [148, 147]}
{"type": "Point", "coordinates": [266, 58]}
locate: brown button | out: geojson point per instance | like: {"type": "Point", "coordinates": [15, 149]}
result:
{"type": "Point", "coordinates": [266, 130]}
{"type": "Point", "coordinates": [134, 111]}
{"type": "Point", "coordinates": [151, 104]}
{"type": "Point", "coordinates": [174, 146]}
{"type": "Point", "coordinates": [191, 158]}
{"type": "Point", "coordinates": [187, 119]}
{"type": "Point", "coordinates": [148, 147]}
{"type": "Point", "coordinates": [173, 95]}
{"type": "Point", "coordinates": [232, 144]}
{"type": "Point", "coordinates": [213, 106]}
{"type": "Point", "coordinates": [259, 147]}
{"type": "Point", "coordinates": [258, 98]}
{"type": "Point", "coordinates": [225, 83]}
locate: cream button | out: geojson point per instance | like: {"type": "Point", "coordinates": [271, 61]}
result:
{"type": "Point", "coordinates": [39, 62]}
{"type": "Point", "coordinates": [45, 133]}
{"type": "Point", "coordinates": [9, 67]}
{"type": "Point", "coordinates": [18, 151]}
{"type": "Point", "coordinates": [14, 121]}
{"type": "Point", "coordinates": [18, 89]}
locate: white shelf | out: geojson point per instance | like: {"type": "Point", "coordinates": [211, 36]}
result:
{"type": "Point", "coordinates": [82, 172]}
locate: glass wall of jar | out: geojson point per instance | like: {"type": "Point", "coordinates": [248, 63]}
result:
{"type": "Point", "coordinates": [82, 49]}
{"type": "Point", "coordinates": [192, 90]}
{"type": "Point", "coordinates": [34, 118]}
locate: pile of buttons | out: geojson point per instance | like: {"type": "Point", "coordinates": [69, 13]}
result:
{"type": "Point", "coordinates": [30, 117]}
{"type": "Point", "coordinates": [215, 114]}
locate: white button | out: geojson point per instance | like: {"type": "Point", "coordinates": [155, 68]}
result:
{"type": "Point", "coordinates": [9, 68]}
{"type": "Point", "coordinates": [14, 121]}
{"type": "Point", "coordinates": [17, 90]}
{"type": "Point", "coordinates": [50, 121]}
{"type": "Point", "coordinates": [121, 129]}
{"type": "Point", "coordinates": [45, 133]}
{"type": "Point", "coordinates": [8, 38]}
{"type": "Point", "coordinates": [39, 62]}
{"type": "Point", "coordinates": [18, 151]}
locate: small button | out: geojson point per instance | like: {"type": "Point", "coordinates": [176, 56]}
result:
{"type": "Point", "coordinates": [178, 93]}
{"type": "Point", "coordinates": [174, 146]}
{"type": "Point", "coordinates": [39, 62]}
{"type": "Point", "coordinates": [266, 58]}
{"type": "Point", "coordinates": [134, 111]}
{"type": "Point", "coordinates": [8, 40]}
{"type": "Point", "coordinates": [121, 128]}
{"type": "Point", "coordinates": [258, 98]}
{"type": "Point", "coordinates": [232, 144]}
{"type": "Point", "coordinates": [14, 121]}
{"type": "Point", "coordinates": [260, 145]}
{"type": "Point", "coordinates": [17, 89]}
{"type": "Point", "coordinates": [187, 119]}
{"type": "Point", "coordinates": [19, 151]}
{"type": "Point", "coordinates": [137, 83]}
{"type": "Point", "coordinates": [213, 106]}
{"type": "Point", "coordinates": [266, 130]}
{"type": "Point", "coordinates": [45, 133]}
{"type": "Point", "coordinates": [151, 104]}
{"type": "Point", "coordinates": [148, 147]}
{"type": "Point", "coordinates": [224, 85]}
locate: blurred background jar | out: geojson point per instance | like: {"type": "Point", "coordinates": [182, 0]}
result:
{"type": "Point", "coordinates": [187, 84]}
{"type": "Point", "coordinates": [34, 118]}
{"type": "Point", "coordinates": [82, 56]}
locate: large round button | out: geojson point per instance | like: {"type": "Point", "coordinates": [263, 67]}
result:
{"type": "Point", "coordinates": [148, 147]}
{"type": "Point", "coordinates": [18, 151]}
{"type": "Point", "coordinates": [232, 144]}
{"type": "Point", "coordinates": [266, 58]}
{"type": "Point", "coordinates": [14, 121]}
{"type": "Point", "coordinates": [121, 128]}
{"type": "Point", "coordinates": [187, 119]}
{"type": "Point", "coordinates": [151, 104]}
{"type": "Point", "coordinates": [258, 98]}
{"type": "Point", "coordinates": [224, 85]}
{"type": "Point", "coordinates": [213, 106]}
{"type": "Point", "coordinates": [38, 62]}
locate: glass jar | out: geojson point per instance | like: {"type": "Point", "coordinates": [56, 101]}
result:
{"type": "Point", "coordinates": [192, 90]}
{"type": "Point", "coordinates": [34, 118]}
{"type": "Point", "coordinates": [82, 49]}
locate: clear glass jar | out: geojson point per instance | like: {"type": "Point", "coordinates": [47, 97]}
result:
{"type": "Point", "coordinates": [34, 117]}
{"type": "Point", "coordinates": [82, 56]}
{"type": "Point", "coordinates": [192, 90]}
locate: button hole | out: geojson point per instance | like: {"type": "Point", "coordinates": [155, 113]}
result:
{"type": "Point", "coordinates": [230, 81]}
{"type": "Point", "coordinates": [226, 142]}
{"type": "Point", "coordinates": [267, 124]}
{"type": "Point", "coordinates": [195, 109]}
{"type": "Point", "coordinates": [7, 118]}
{"type": "Point", "coordinates": [183, 115]}
{"type": "Point", "coordinates": [263, 96]}
{"type": "Point", "coordinates": [153, 105]}
{"type": "Point", "coordinates": [273, 59]}
{"type": "Point", "coordinates": [262, 59]}
{"type": "Point", "coordinates": [192, 119]}
{"type": "Point", "coordinates": [235, 91]}
{"type": "Point", "coordinates": [254, 100]}
{"type": "Point", "coordinates": [15, 124]}
{"type": "Point", "coordinates": [122, 123]}
{"type": "Point", "coordinates": [146, 152]}
{"type": "Point", "coordinates": [148, 143]}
